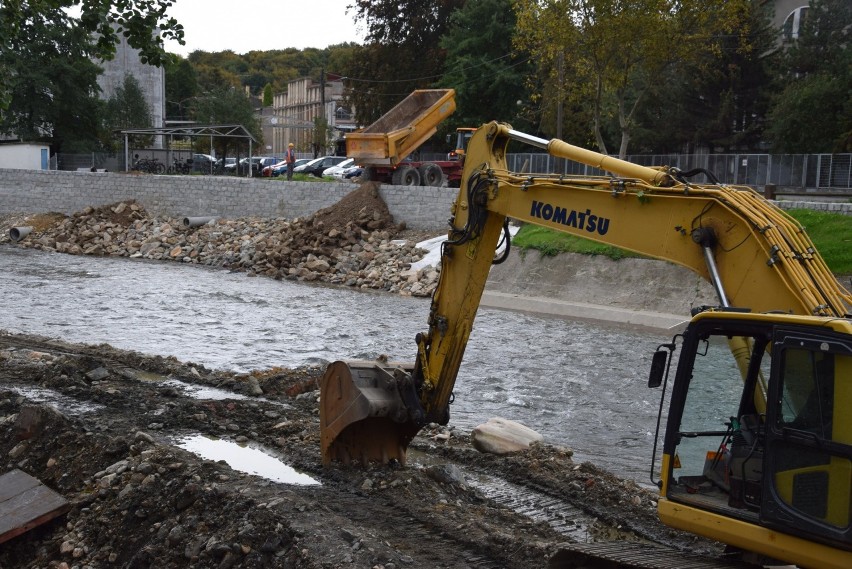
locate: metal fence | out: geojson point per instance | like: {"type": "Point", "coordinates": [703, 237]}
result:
{"type": "Point", "coordinates": [169, 159]}
{"type": "Point", "coordinates": [90, 161]}
{"type": "Point", "coordinates": [830, 173]}
{"type": "Point", "coordinates": [814, 173]}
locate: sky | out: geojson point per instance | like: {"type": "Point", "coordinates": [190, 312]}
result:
{"type": "Point", "coordinates": [247, 25]}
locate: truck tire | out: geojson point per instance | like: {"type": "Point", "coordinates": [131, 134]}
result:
{"type": "Point", "coordinates": [431, 174]}
{"type": "Point", "coordinates": [405, 176]}
{"type": "Point", "coordinates": [368, 174]}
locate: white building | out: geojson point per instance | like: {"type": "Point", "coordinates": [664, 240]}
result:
{"type": "Point", "coordinates": [24, 156]}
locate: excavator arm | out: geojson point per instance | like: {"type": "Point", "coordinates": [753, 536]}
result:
{"type": "Point", "coordinates": [756, 256]}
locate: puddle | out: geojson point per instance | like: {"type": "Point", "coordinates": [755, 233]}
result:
{"type": "Point", "coordinates": [203, 391]}
{"type": "Point", "coordinates": [245, 459]}
{"type": "Point", "coordinates": [416, 457]}
{"type": "Point", "coordinates": [62, 403]}
{"type": "Point", "coordinates": [189, 389]}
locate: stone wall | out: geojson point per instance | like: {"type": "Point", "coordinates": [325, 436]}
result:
{"type": "Point", "coordinates": [31, 191]}
{"type": "Point", "coordinates": [28, 191]}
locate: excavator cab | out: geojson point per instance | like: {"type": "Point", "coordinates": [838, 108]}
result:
{"type": "Point", "coordinates": [759, 436]}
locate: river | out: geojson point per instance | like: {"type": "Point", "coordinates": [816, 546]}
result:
{"type": "Point", "coordinates": [579, 384]}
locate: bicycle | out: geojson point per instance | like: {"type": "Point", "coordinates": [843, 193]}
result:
{"type": "Point", "coordinates": [149, 165]}
{"type": "Point", "coordinates": [179, 167]}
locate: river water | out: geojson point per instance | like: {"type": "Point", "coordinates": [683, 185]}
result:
{"type": "Point", "coordinates": [579, 384]}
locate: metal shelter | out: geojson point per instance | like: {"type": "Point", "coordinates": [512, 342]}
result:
{"type": "Point", "coordinates": [226, 130]}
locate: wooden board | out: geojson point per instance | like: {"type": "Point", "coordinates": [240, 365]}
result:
{"type": "Point", "coordinates": [26, 503]}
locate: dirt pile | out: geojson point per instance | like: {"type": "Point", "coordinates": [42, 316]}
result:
{"type": "Point", "coordinates": [141, 500]}
{"type": "Point", "coordinates": [350, 243]}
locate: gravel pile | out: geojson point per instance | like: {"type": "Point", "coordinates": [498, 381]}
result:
{"type": "Point", "coordinates": [351, 243]}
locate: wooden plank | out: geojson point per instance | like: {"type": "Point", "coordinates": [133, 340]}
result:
{"type": "Point", "coordinates": [26, 503]}
{"type": "Point", "coordinates": [14, 483]}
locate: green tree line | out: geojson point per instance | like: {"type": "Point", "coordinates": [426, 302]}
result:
{"type": "Point", "coordinates": [614, 75]}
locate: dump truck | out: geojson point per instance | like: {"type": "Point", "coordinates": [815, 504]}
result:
{"type": "Point", "coordinates": [383, 148]}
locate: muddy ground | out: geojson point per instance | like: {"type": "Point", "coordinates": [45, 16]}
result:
{"type": "Point", "coordinates": [138, 500]}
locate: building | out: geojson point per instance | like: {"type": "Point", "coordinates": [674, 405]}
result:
{"type": "Point", "coordinates": [152, 81]}
{"type": "Point", "coordinates": [296, 110]}
{"type": "Point", "coordinates": [17, 155]}
{"type": "Point", "coordinates": [787, 17]}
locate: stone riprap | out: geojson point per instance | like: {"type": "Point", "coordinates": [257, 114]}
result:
{"type": "Point", "coordinates": [355, 249]}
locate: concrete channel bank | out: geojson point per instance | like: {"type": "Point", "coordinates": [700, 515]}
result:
{"type": "Point", "coordinates": [30, 191]}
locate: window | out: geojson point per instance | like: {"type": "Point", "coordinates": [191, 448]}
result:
{"type": "Point", "coordinates": [793, 24]}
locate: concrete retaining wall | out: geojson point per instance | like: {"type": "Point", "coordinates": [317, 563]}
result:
{"type": "Point", "coordinates": [28, 191]}
{"type": "Point", "coordinates": [32, 191]}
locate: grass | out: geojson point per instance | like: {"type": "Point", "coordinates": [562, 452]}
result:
{"type": "Point", "coordinates": [550, 243]}
{"type": "Point", "coordinates": [831, 234]}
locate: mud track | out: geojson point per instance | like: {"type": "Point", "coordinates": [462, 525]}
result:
{"type": "Point", "coordinates": [101, 426]}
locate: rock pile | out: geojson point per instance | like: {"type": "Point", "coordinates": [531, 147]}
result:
{"type": "Point", "coordinates": [350, 243]}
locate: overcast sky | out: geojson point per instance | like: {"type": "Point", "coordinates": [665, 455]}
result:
{"type": "Point", "coordinates": [247, 25]}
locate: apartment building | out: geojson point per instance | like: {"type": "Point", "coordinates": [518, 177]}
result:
{"type": "Point", "coordinates": [296, 110]}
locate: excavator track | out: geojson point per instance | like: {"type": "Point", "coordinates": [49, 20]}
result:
{"type": "Point", "coordinates": [618, 555]}
{"type": "Point", "coordinates": [575, 524]}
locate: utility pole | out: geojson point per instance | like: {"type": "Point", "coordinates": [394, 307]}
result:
{"type": "Point", "coordinates": [560, 89]}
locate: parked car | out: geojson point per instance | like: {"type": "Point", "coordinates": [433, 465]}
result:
{"type": "Point", "coordinates": [263, 162]}
{"type": "Point", "coordinates": [280, 169]}
{"type": "Point", "coordinates": [227, 165]}
{"type": "Point", "coordinates": [318, 165]}
{"type": "Point", "coordinates": [231, 165]}
{"type": "Point", "coordinates": [203, 163]}
{"type": "Point", "coordinates": [352, 172]}
{"type": "Point", "coordinates": [258, 163]}
{"type": "Point", "coordinates": [336, 171]}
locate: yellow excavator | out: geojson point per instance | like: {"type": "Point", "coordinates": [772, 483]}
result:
{"type": "Point", "coordinates": [757, 446]}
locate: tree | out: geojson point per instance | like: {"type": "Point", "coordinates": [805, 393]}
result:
{"type": "Point", "coordinates": [719, 100]}
{"type": "Point", "coordinates": [181, 86]}
{"type": "Point", "coordinates": [321, 136]}
{"type": "Point", "coordinates": [126, 109]}
{"type": "Point", "coordinates": [609, 55]}
{"type": "Point", "coordinates": [226, 106]}
{"type": "Point", "coordinates": [402, 52]}
{"type": "Point", "coordinates": [50, 82]}
{"type": "Point", "coordinates": [267, 95]}
{"type": "Point", "coordinates": [813, 112]}
{"type": "Point", "coordinates": [480, 64]}
{"type": "Point", "coordinates": [144, 23]}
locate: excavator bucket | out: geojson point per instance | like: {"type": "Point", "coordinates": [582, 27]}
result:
{"type": "Point", "coordinates": [362, 413]}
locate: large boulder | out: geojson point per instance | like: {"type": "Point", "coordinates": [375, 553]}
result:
{"type": "Point", "coordinates": [502, 436]}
